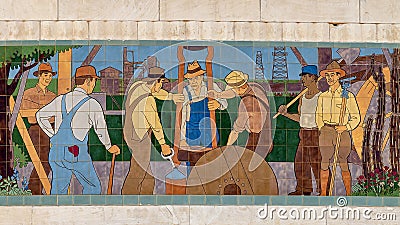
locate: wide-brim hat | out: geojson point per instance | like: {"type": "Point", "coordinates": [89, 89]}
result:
{"type": "Point", "coordinates": [194, 70]}
{"type": "Point", "coordinates": [333, 67]}
{"type": "Point", "coordinates": [154, 74]}
{"type": "Point", "coordinates": [44, 67]}
{"type": "Point", "coordinates": [236, 79]}
{"type": "Point", "coordinates": [86, 71]}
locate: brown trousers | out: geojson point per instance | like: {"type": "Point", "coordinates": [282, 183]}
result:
{"type": "Point", "coordinates": [307, 159]}
{"type": "Point", "coordinates": [139, 180]}
{"type": "Point", "coordinates": [327, 142]}
{"type": "Point", "coordinates": [42, 145]}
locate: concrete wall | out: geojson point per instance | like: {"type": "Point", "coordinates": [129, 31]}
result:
{"type": "Point", "coordinates": [255, 20]}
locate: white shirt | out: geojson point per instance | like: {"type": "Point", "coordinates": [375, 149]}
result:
{"type": "Point", "coordinates": [307, 111]}
{"type": "Point", "coordinates": [90, 114]}
{"type": "Point", "coordinates": [196, 98]}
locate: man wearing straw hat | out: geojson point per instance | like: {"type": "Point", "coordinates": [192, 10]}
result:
{"type": "Point", "coordinates": [32, 100]}
{"type": "Point", "coordinates": [196, 127]}
{"type": "Point", "coordinates": [327, 119]}
{"type": "Point", "coordinates": [253, 113]}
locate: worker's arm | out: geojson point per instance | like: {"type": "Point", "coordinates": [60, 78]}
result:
{"type": "Point", "coordinates": [240, 124]}
{"type": "Point", "coordinates": [223, 102]}
{"type": "Point", "coordinates": [44, 114]}
{"type": "Point", "coordinates": [151, 116]}
{"type": "Point", "coordinates": [227, 94]}
{"type": "Point", "coordinates": [293, 116]}
{"type": "Point", "coordinates": [319, 113]}
{"type": "Point", "coordinates": [97, 120]}
{"type": "Point", "coordinates": [354, 113]}
{"type": "Point", "coordinates": [164, 95]}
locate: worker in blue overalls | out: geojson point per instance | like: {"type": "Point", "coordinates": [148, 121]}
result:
{"type": "Point", "coordinates": [75, 113]}
{"type": "Point", "coordinates": [196, 122]}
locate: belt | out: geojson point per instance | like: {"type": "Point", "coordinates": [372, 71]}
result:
{"type": "Point", "coordinates": [330, 125]}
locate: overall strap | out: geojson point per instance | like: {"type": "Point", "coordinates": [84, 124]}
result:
{"type": "Point", "coordinates": [266, 106]}
{"type": "Point", "coordinates": [63, 107]}
{"type": "Point", "coordinates": [189, 94]}
{"type": "Point", "coordinates": [77, 106]}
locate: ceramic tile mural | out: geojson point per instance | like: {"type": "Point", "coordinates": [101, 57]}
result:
{"type": "Point", "coordinates": [198, 118]}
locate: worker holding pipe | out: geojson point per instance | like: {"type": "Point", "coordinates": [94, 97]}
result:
{"type": "Point", "coordinates": [328, 115]}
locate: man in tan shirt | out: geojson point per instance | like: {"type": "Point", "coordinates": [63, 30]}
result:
{"type": "Point", "coordinates": [253, 113]}
{"type": "Point", "coordinates": [327, 119]}
{"type": "Point", "coordinates": [32, 100]}
{"type": "Point", "coordinates": [141, 119]}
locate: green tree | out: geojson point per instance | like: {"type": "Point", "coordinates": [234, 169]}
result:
{"type": "Point", "coordinates": [14, 57]}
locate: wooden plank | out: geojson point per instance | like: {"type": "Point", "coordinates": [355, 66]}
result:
{"type": "Point", "coordinates": [64, 72]}
{"type": "Point", "coordinates": [210, 84]}
{"type": "Point", "coordinates": [31, 150]}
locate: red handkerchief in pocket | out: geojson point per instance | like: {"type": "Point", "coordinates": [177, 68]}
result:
{"type": "Point", "coordinates": [74, 150]}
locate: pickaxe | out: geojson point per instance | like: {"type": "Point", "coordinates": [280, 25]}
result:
{"type": "Point", "coordinates": [348, 54]}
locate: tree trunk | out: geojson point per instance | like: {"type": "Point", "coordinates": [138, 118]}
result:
{"type": "Point", "coordinates": [6, 163]}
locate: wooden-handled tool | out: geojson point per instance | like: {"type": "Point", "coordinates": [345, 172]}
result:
{"type": "Point", "coordinates": [110, 179]}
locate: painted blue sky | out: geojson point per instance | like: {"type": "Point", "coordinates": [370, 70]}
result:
{"type": "Point", "coordinates": [226, 58]}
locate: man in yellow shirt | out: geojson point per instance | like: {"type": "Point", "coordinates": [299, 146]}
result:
{"type": "Point", "coordinates": [327, 119]}
{"type": "Point", "coordinates": [141, 119]}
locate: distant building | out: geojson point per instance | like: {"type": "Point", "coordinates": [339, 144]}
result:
{"type": "Point", "coordinates": [110, 81]}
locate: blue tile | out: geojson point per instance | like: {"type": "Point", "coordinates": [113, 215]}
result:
{"type": "Point", "coordinates": [374, 201]}
{"type": "Point", "coordinates": [131, 199]}
{"type": "Point", "coordinates": [358, 201]}
{"type": "Point", "coordinates": [311, 200]}
{"type": "Point", "coordinates": [3, 200]}
{"type": "Point", "coordinates": [229, 200]}
{"type": "Point", "coordinates": [48, 199]}
{"type": "Point", "coordinates": [245, 200]}
{"type": "Point", "coordinates": [213, 200]}
{"type": "Point", "coordinates": [98, 200]}
{"type": "Point", "coordinates": [147, 199]}
{"type": "Point", "coordinates": [197, 199]}
{"type": "Point", "coordinates": [65, 200]}
{"type": "Point", "coordinates": [180, 200]}
{"type": "Point", "coordinates": [342, 201]}
{"type": "Point", "coordinates": [294, 200]}
{"type": "Point", "coordinates": [164, 199]}
{"type": "Point", "coordinates": [277, 200]}
{"type": "Point", "coordinates": [114, 199]}
{"type": "Point", "coordinates": [327, 200]}
{"type": "Point", "coordinates": [15, 200]}
{"type": "Point", "coordinates": [81, 199]}
{"type": "Point", "coordinates": [391, 201]}
{"type": "Point", "coordinates": [261, 199]}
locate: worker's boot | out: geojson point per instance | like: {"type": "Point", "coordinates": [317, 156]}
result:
{"type": "Point", "coordinates": [324, 176]}
{"type": "Point", "coordinates": [346, 176]}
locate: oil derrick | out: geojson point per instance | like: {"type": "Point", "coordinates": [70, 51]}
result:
{"type": "Point", "coordinates": [280, 69]}
{"type": "Point", "coordinates": [259, 67]}
{"type": "Point", "coordinates": [128, 67]}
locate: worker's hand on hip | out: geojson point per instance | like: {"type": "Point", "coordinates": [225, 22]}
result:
{"type": "Point", "coordinates": [282, 109]}
{"type": "Point", "coordinates": [114, 150]}
{"type": "Point", "coordinates": [165, 149]}
{"type": "Point", "coordinates": [340, 129]}
{"type": "Point", "coordinates": [213, 105]}
{"type": "Point", "coordinates": [213, 94]}
{"type": "Point", "coordinates": [178, 98]}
